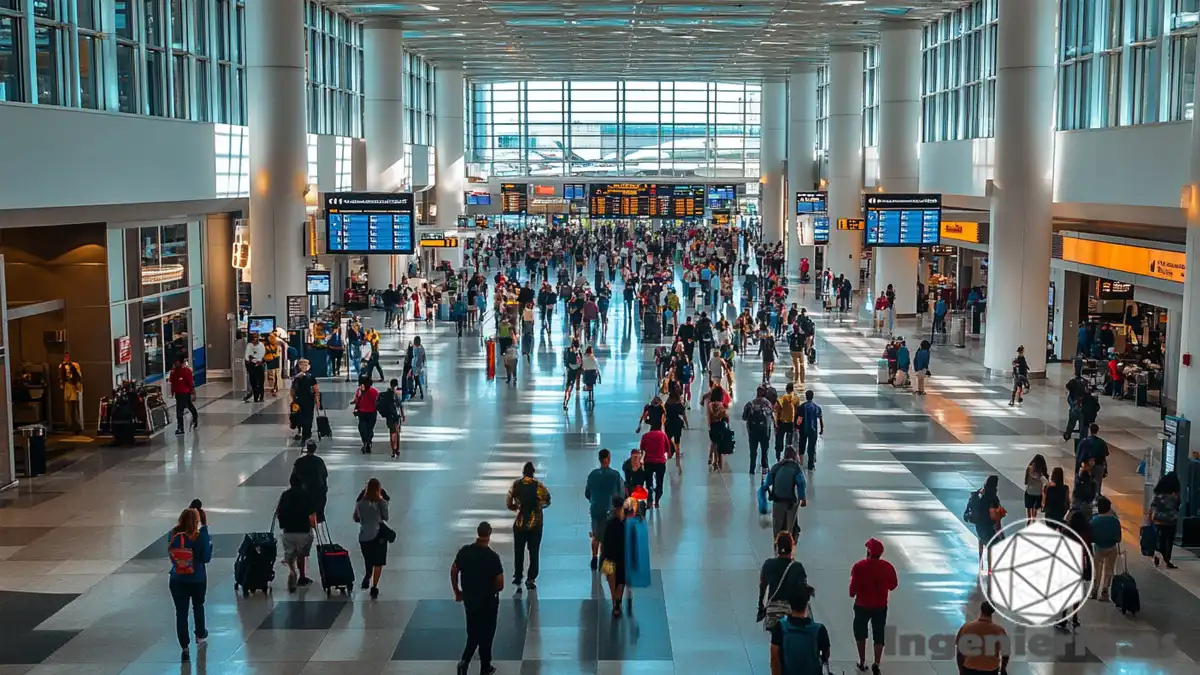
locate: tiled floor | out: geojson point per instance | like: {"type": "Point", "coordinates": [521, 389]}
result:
{"type": "Point", "coordinates": [83, 577]}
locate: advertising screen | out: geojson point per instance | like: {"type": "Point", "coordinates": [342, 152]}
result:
{"type": "Point", "coordinates": [810, 202]}
{"type": "Point", "coordinates": [821, 230]}
{"type": "Point", "coordinates": [903, 219]}
{"type": "Point", "coordinates": [514, 198]}
{"type": "Point", "coordinates": [361, 223]}
{"type": "Point", "coordinates": [260, 324]}
{"type": "Point", "coordinates": [317, 282]}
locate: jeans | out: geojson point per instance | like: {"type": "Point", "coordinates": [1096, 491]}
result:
{"type": "Point", "coordinates": [373, 365]}
{"type": "Point", "coordinates": [183, 402]}
{"type": "Point", "coordinates": [810, 448]}
{"type": "Point", "coordinates": [705, 352]}
{"type": "Point", "coordinates": [657, 473]}
{"type": "Point", "coordinates": [761, 441]}
{"type": "Point", "coordinates": [355, 359]}
{"type": "Point", "coordinates": [522, 539]}
{"type": "Point", "coordinates": [784, 435]}
{"type": "Point", "coordinates": [481, 630]}
{"type": "Point", "coordinates": [1106, 565]}
{"type": "Point", "coordinates": [185, 593]}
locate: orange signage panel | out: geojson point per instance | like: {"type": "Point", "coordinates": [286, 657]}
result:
{"type": "Point", "coordinates": [1151, 262]}
{"type": "Point", "coordinates": [961, 231]}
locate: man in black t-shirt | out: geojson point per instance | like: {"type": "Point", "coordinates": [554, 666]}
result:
{"type": "Point", "coordinates": [314, 476]}
{"type": "Point", "coordinates": [297, 517]}
{"type": "Point", "coordinates": [477, 577]}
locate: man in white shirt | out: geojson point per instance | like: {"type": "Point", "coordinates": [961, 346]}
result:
{"type": "Point", "coordinates": [255, 375]}
{"type": "Point", "coordinates": [716, 368]}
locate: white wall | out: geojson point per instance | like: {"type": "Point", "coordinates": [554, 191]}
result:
{"type": "Point", "coordinates": [958, 167]}
{"type": "Point", "coordinates": [59, 157]}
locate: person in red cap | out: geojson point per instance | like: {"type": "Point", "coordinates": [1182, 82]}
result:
{"type": "Point", "coordinates": [871, 579]}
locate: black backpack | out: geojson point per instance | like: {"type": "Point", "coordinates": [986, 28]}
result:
{"type": "Point", "coordinates": [758, 418]}
{"type": "Point", "coordinates": [385, 405]}
{"type": "Point", "coordinates": [974, 506]}
{"type": "Point", "coordinates": [796, 342]}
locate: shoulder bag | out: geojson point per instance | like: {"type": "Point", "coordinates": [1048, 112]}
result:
{"type": "Point", "coordinates": [777, 609]}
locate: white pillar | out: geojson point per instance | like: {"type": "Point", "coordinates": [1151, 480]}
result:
{"type": "Point", "coordinates": [773, 157]}
{"type": "Point", "coordinates": [277, 109]}
{"type": "Point", "coordinates": [1188, 387]}
{"type": "Point", "coordinates": [451, 159]}
{"type": "Point", "coordinates": [899, 137]}
{"type": "Point", "coordinates": [383, 125]}
{"type": "Point", "coordinates": [802, 142]}
{"type": "Point", "coordinates": [1023, 189]}
{"type": "Point", "coordinates": [845, 159]}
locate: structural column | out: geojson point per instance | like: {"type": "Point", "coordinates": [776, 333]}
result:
{"type": "Point", "coordinates": [1188, 384]}
{"type": "Point", "coordinates": [451, 160]}
{"type": "Point", "coordinates": [773, 154]}
{"type": "Point", "coordinates": [845, 159]}
{"type": "Point", "coordinates": [383, 125]}
{"type": "Point", "coordinates": [1023, 189]}
{"type": "Point", "coordinates": [802, 175]}
{"type": "Point", "coordinates": [899, 136]}
{"type": "Point", "coordinates": [275, 89]}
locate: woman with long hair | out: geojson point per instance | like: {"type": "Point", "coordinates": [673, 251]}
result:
{"type": "Point", "coordinates": [717, 413]}
{"type": "Point", "coordinates": [1036, 477]}
{"type": "Point", "coordinates": [365, 400]}
{"type": "Point", "coordinates": [189, 551]}
{"type": "Point", "coordinates": [371, 514]}
{"type": "Point", "coordinates": [676, 422]}
{"type": "Point", "coordinates": [990, 512]}
{"type": "Point", "coordinates": [1079, 523]}
{"type": "Point", "coordinates": [1056, 498]}
{"type": "Point", "coordinates": [1164, 513]}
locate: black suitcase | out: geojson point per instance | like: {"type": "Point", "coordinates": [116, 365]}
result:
{"type": "Point", "coordinates": [812, 356]}
{"type": "Point", "coordinates": [324, 430]}
{"type": "Point", "coordinates": [254, 568]}
{"type": "Point", "coordinates": [1124, 591]}
{"type": "Point", "coordinates": [333, 562]}
{"type": "Point", "coordinates": [651, 327]}
{"type": "Point", "coordinates": [1189, 532]}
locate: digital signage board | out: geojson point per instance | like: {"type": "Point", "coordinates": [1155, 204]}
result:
{"type": "Point", "coordinates": [514, 198]}
{"type": "Point", "coordinates": [362, 223]}
{"type": "Point", "coordinates": [903, 219]}
{"type": "Point", "coordinates": [811, 202]}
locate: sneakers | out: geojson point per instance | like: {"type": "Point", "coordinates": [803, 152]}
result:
{"type": "Point", "coordinates": [179, 431]}
{"type": "Point", "coordinates": [201, 639]}
{"type": "Point", "coordinates": [531, 585]}
{"type": "Point", "coordinates": [304, 581]}
{"type": "Point", "coordinates": [875, 669]}
{"type": "Point", "coordinates": [490, 670]}
{"type": "Point", "coordinates": [374, 592]}
{"type": "Point", "coordinates": [462, 668]}
{"type": "Point", "coordinates": [366, 583]}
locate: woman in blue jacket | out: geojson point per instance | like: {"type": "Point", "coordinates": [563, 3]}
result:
{"type": "Point", "coordinates": [189, 551]}
{"type": "Point", "coordinates": [921, 366]}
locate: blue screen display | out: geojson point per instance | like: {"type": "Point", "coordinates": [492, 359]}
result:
{"type": "Point", "coordinates": [479, 199]}
{"type": "Point", "coordinates": [574, 191]}
{"type": "Point", "coordinates": [811, 202]}
{"type": "Point", "coordinates": [364, 223]}
{"type": "Point", "coordinates": [821, 230]}
{"type": "Point", "coordinates": [721, 196]}
{"type": "Point", "coordinates": [903, 220]}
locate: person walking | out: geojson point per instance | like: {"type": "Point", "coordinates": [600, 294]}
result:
{"type": "Point", "coordinates": [337, 349]}
{"type": "Point", "coordinates": [1093, 451]}
{"type": "Point", "coordinates": [390, 406]}
{"type": "Point", "coordinates": [921, 366]}
{"type": "Point", "coordinates": [759, 416]}
{"type": "Point", "coordinates": [371, 514]}
{"type": "Point", "coordinates": [476, 578]}
{"type": "Point", "coordinates": [796, 347]}
{"type": "Point", "coordinates": [787, 490]}
{"type": "Point", "coordinates": [365, 400]}
{"type": "Point", "coordinates": [871, 580]}
{"type": "Point", "coordinates": [612, 550]}
{"type": "Point", "coordinates": [273, 358]}
{"type": "Point", "coordinates": [986, 512]}
{"type": "Point", "coordinates": [655, 445]}
{"type": "Point", "coordinates": [527, 497]}
{"type": "Point", "coordinates": [603, 485]}
{"type": "Point", "coordinates": [183, 387]}
{"type": "Point", "coordinates": [1106, 546]}
{"type": "Point", "coordinates": [297, 516]}
{"type": "Point", "coordinates": [1164, 513]}
{"type": "Point", "coordinates": [1056, 498]}
{"type": "Point", "coordinates": [306, 398]}
{"type": "Point", "coordinates": [785, 419]}
{"type": "Point", "coordinates": [314, 478]}
{"type": "Point", "coordinates": [982, 646]}
{"type": "Point", "coordinates": [781, 579]}
{"type": "Point", "coordinates": [255, 371]}
{"type": "Point", "coordinates": [812, 425]}
{"type": "Point", "coordinates": [189, 551]}
{"type": "Point", "coordinates": [1036, 478]}
{"type": "Point", "coordinates": [720, 435]}
{"type": "Point", "coordinates": [676, 422]}
{"type": "Point", "coordinates": [799, 645]}
{"type": "Point", "coordinates": [1020, 372]}
{"type": "Point", "coordinates": [768, 352]}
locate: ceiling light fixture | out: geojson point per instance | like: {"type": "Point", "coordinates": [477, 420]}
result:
{"type": "Point", "coordinates": [430, 8]}
{"type": "Point", "coordinates": [846, 3]}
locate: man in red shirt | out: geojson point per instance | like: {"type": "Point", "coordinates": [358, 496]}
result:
{"type": "Point", "coordinates": [871, 579]}
{"type": "Point", "coordinates": [654, 448]}
{"type": "Point", "coordinates": [183, 386]}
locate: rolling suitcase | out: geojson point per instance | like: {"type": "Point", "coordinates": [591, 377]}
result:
{"type": "Point", "coordinates": [254, 568]}
{"type": "Point", "coordinates": [333, 562]}
{"type": "Point", "coordinates": [324, 430]}
{"type": "Point", "coordinates": [1124, 591]}
{"type": "Point", "coordinates": [812, 356]}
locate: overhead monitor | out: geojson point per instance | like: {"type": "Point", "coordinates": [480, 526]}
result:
{"type": "Point", "coordinates": [479, 199]}
{"type": "Point", "coordinates": [821, 229]}
{"type": "Point", "coordinates": [903, 219]}
{"type": "Point", "coordinates": [811, 202]}
{"type": "Point", "coordinates": [362, 223]}
{"type": "Point", "coordinates": [318, 282]}
{"type": "Point", "coordinates": [544, 191]}
{"type": "Point", "coordinates": [721, 196]}
{"type": "Point", "coordinates": [558, 219]}
{"type": "Point", "coordinates": [260, 325]}
{"type": "Point", "coordinates": [573, 191]}
{"type": "Point", "coordinates": [687, 201]}
{"type": "Point", "coordinates": [514, 198]}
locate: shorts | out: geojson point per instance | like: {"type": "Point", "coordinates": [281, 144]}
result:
{"type": "Point", "coordinates": [296, 545]}
{"type": "Point", "coordinates": [876, 617]}
{"type": "Point", "coordinates": [598, 524]}
{"type": "Point", "coordinates": [1033, 501]}
{"type": "Point", "coordinates": [393, 424]}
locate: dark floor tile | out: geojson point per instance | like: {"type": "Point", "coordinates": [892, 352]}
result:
{"type": "Point", "coordinates": [437, 632]}
{"type": "Point", "coordinates": [640, 635]}
{"type": "Point", "coordinates": [869, 402]}
{"type": "Point", "coordinates": [266, 418]}
{"type": "Point", "coordinates": [33, 646]}
{"type": "Point", "coordinates": [295, 615]}
{"type": "Point", "coordinates": [987, 426]}
{"type": "Point", "coordinates": [559, 667]}
{"type": "Point", "coordinates": [21, 536]}
{"type": "Point", "coordinates": [21, 611]}
{"type": "Point", "coordinates": [274, 473]}
{"type": "Point", "coordinates": [564, 613]}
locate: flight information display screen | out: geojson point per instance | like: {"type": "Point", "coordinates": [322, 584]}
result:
{"type": "Point", "coordinates": [369, 222]}
{"type": "Point", "coordinates": [573, 191]}
{"type": "Point", "coordinates": [811, 202]}
{"type": "Point", "coordinates": [821, 230]}
{"type": "Point", "coordinates": [903, 219]}
{"type": "Point", "coordinates": [479, 199]}
{"type": "Point", "coordinates": [514, 198]}
{"type": "Point", "coordinates": [687, 201]}
{"type": "Point", "coordinates": [721, 196]}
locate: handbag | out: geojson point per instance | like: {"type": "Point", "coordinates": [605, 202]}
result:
{"type": "Point", "coordinates": [608, 568]}
{"type": "Point", "coordinates": [777, 609]}
{"type": "Point", "coordinates": [386, 533]}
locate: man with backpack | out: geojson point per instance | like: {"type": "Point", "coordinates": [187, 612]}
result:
{"type": "Point", "coordinates": [799, 645]}
{"type": "Point", "coordinates": [785, 419]}
{"type": "Point", "coordinates": [759, 418]}
{"type": "Point", "coordinates": [573, 364]}
{"type": "Point", "coordinates": [527, 498]}
{"type": "Point", "coordinates": [390, 407]}
{"type": "Point", "coordinates": [796, 341]}
{"type": "Point", "coordinates": [788, 492]}
{"type": "Point", "coordinates": [704, 334]}
{"type": "Point", "coordinates": [314, 476]}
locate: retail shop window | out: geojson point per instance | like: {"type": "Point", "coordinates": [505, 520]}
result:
{"type": "Point", "coordinates": [11, 83]}
{"type": "Point", "coordinates": [165, 340]}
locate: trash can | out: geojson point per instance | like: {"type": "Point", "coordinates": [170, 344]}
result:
{"type": "Point", "coordinates": [959, 331]}
{"type": "Point", "coordinates": [883, 376]}
{"type": "Point", "coordinates": [33, 440]}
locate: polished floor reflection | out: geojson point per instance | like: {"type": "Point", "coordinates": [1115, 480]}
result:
{"type": "Point", "coordinates": [83, 576]}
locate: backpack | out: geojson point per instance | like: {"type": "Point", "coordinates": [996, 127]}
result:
{"type": "Point", "coordinates": [183, 559]}
{"type": "Point", "coordinates": [572, 361]}
{"type": "Point", "coordinates": [796, 342]}
{"type": "Point", "coordinates": [758, 418]}
{"type": "Point", "coordinates": [974, 506]}
{"type": "Point", "coordinates": [783, 488]}
{"type": "Point", "coordinates": [801, 647]}
{"type": "Point", "coordinates": [385, 405]}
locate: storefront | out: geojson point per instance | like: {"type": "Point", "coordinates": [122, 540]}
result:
{"type": "Point", "coordinates": [950, 270]}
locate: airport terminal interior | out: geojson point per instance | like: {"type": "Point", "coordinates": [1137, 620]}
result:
{"type": "Point", "coordinates": [986, 210]}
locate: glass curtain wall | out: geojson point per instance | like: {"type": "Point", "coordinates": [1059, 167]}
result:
{"type": "Point", "coordinates": [335, 63]}
{"type": "Point", "coordinates": [958, 83]}
{"type": "Point", "coordinates": [870, 129]}
{"type": "Point", "coordinates": [823, 112]}
{"type": "Point", "coordinates": [418, 100]}
{"type": "Point", "coordinates": [620, 128]}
